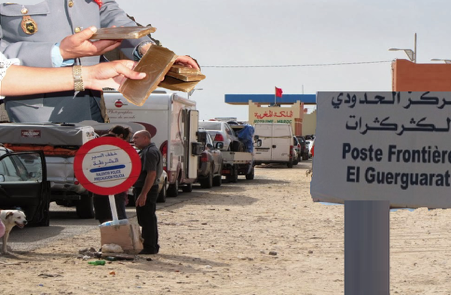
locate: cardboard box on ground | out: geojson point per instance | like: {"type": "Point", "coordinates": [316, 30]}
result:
{"type": "Point", "coordinates": [127, 236]}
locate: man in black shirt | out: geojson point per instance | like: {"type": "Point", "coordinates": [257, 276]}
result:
{"type": "Point", "coordinates": [146, 190]}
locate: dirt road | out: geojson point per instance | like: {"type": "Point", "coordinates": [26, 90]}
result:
{"type": "Point", "coordinates": [264, 236]}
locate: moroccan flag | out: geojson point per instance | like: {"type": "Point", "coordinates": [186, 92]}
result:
{"type": "Point", "coordinates": [279, 92]}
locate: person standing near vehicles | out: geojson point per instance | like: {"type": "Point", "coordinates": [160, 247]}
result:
{"type": "Point", "coordinates": [101, 203]}
{"type": "Point", "coordinates": [146, 190]}
{"type": "Point", "coordinates": [45, 35]}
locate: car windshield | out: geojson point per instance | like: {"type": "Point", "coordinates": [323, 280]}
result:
{"type": "Point", "coordinates": [210, 125]}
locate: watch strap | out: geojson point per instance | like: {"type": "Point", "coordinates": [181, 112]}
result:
{"type": "Point", "coordinates": [78, 79]}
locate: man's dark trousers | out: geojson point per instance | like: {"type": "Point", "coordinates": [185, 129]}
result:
{"type": "Point", "coordinates": [147, 219]}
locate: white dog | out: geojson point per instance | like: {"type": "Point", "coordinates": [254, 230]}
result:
{"type": "Point", "coordinates": [10, 219]}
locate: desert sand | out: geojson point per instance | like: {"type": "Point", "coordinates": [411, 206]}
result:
{"type": "Point", "coordinates": [261, 236]}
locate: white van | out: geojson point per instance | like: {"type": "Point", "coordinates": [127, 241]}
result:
{"type": "Point", "coordinates": [173, 123]}
{"type": "Point", "coordinates": [274, 144]}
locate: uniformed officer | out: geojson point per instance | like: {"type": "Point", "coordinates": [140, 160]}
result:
{"type": "Point", "coordinates": [40, 36]}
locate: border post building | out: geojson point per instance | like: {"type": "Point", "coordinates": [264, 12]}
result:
{"type": "Point", "coordinates": [265, 108]}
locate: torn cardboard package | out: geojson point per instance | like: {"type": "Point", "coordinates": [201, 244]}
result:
{"type": "Point", "coordinates": [186, 77]}
{"type": "Point", "coordinates": [179, 69]}
{"type": "Point", "coordinates": [181, 78]}
{"type": "Point", "coordinates": [156, 62]}
{"type": "Point", "coordinates": [127, 236]}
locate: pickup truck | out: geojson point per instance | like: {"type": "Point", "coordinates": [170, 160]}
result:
{"type": "Point", "coordinates": [59, 143]}
{"type": "Point", "coordinates": [240, 162]}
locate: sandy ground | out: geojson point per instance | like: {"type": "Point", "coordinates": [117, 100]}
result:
{"type": "Point", "coordinates": [264, 236]}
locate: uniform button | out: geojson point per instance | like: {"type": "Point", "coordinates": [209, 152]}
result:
{"type": "Point", "coordinates": [71, 3]}
{"type": "Point", "coordinates": [77, 30]}
{"type": "Point", "coordinates": [24, 10]}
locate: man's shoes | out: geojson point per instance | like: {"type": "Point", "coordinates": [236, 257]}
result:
{"type": "Point", "coordinates": [147, 251]}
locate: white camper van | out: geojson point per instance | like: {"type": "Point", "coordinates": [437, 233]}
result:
{"type": "Point", "coordinates": [274, 144]}
{"type": "Point", "coordinates": [173, 123]}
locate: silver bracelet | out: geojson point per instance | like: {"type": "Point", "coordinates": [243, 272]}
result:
{"type": "Point", "coordinates": [78, 79]}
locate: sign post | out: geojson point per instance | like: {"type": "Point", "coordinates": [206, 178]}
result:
{"type": "Point", "coordinates": [107, 166]}
{"type": "Point", "coordinates": [367, 247]}
{"type": "Point", "coordinates": [375, 151]}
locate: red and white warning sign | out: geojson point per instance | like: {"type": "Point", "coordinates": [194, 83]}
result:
{"type": "Point", "coordinates": [107, 165]}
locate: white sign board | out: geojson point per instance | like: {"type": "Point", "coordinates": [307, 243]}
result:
{"type": "Point", "coordinates": [107, 165]}
{"type": "Point", "coordinates": [393, 146]}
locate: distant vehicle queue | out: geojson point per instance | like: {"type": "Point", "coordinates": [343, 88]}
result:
{"type": "Point", "coordinates": [193, 151]}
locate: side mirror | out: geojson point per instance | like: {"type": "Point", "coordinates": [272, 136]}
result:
{"type": "Point", "coordinates": [219, 145]}
{"type": "Point", "coordinates": [209, 145]}
{"type": "Point", "coordinates": [2, 178]}
{"type": "Point", "coordinates": [259, 142]}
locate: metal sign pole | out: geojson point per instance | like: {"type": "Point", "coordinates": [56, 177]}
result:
{"type": "Point", "coordinates": [367, 247]}
{"type": "Point", "coordinates": [113, 209]}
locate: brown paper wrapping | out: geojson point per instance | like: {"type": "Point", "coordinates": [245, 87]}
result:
{"type": "Point", "coordinates": [123, 32]}
{"type": "Point", "coordinates": [186, 77]}
{"type": "Point", "coordinates": [155, 63]}
{"type": "Point", "coordinates": [177, 85]}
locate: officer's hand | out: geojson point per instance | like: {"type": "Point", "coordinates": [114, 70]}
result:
{"type": "Point", "coordinates": [109, 74]}
{"type": "Point", "coordinates": [187, 61]}
{"type": "Point", "coordinates": [79, 45]}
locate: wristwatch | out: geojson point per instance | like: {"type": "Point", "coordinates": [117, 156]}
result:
{"type": "Point", "coordinates": [78, 79]}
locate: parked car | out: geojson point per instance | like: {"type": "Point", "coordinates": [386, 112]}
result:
{"type": "Point", "coordinates": [310, 145]}
{"type": "Point", "coordinates": [162, 190]}
{"type": "Point", "coordinates": [304, 147]}
{"type": "Point", "coordinates": [222, 133]}
{"type": "Point", "coordinates": [24, 185]}
{"type": "Point", "coordinates": [210, 163]}
{"type": "Point", "coordinates": [297, 151]}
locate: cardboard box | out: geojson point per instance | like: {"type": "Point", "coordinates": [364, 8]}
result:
{"type": "Point", "coordinates": [127, 236]}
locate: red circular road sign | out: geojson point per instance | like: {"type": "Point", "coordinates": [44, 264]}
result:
{"type": "Point", "coordinates": [107, 165]}
{"type": "Point", "coordinates": [118, 103]}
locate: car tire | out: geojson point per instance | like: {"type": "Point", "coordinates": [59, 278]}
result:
{"type": "Point", "coordinates": [217, 180]}
{"type": "Point", "coordinates": [305, 157]}
{"type": "Point", "coordinates": [233, 177]}
{"type": "Point", "coordinates": [173, 189]}
{"type": "Point", "coordinates": [187, 188]}
{"type": "Point", "coordinates": [250, 175]}
{"type": "Point", "coordinates": [207, 182]}
{"type": "Point", "coordinates": [85, 207]}
{"type": "Point", "coordinates": [290, 164]}
{"type": "Point", "coordinates": [163, 193]}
